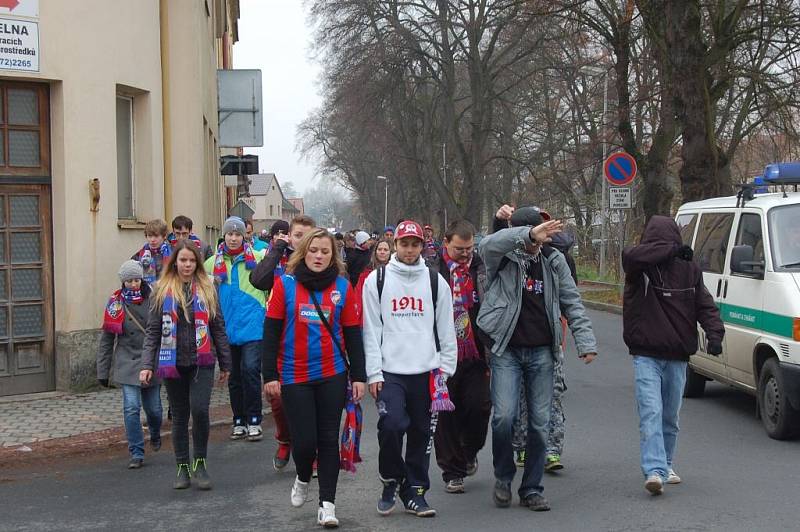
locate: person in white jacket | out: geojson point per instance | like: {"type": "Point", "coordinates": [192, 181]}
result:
{"type": "Point", "coordinates": [408, 340]}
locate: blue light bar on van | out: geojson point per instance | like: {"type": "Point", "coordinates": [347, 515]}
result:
{"type": "Point", "coordinates": [760, 185]}
{"type": "Point", "coordinates": [782, 174]}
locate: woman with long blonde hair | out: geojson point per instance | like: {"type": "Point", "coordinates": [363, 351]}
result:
{"type": "Point", "coordinates": [312, 336]}
{"type": "Point", "coordinates": [185, 321]}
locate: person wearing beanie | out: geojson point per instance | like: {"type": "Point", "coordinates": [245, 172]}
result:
{"type": "Point", "coordinates": [243, 306]}
{"type": "Point", "coordinates": [388, 232]}
{"type": "Point", "coordinates": [124, 321]}
{"type": "Point", "coordinates": [358, 257]}
{"type": "Point", "coordinates": [286, 238]}
{"type": "Point", "coordinates": [528, 286]}
{"type": "Point", "coordinates": [278, 229]}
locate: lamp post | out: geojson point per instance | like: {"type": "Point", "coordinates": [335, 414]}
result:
{"type": "Point", "coordinates": [385, 198]}
{"type": "Point", "coordinates": [604, 194]}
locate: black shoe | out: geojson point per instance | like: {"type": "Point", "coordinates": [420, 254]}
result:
{"type": "Point", "coordinates": [413, 499]}
{"type": "Point", "coordinates": [183, 480]}
{"type": "Point", "coordinates": [135, 463]}
{"type": "Point", "coordinates": [502, 494]}
{"type": "Point", "coordinates": [388, 498]}
{"type": "Point", "coordinates": [472, 467]}
{"type": "Point", "coordinates": [200, 474]}
{"type": "Point", "coordinates": [155, 445]}
{"type": "Point", "coordinates": [535, 502]}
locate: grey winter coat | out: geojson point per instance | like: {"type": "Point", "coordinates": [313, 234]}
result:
{"type": "Point", "coordinates": [125, 349]}
{"type": "Point", "coordinates": [501, 305]}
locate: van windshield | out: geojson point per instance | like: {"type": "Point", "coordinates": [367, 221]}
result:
{"type": "Point", "coordinates": [784, 230]}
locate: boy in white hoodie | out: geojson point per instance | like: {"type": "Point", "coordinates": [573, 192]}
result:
{"type": "Point", "coordinates": [408, 339]}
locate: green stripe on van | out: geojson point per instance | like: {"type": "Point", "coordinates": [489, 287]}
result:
{"type": "Point", "coordinates": [757, 319]}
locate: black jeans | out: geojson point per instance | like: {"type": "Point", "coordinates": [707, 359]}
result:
{"type": "Point", "coordinates": [462, 433]}
{"type": "Point", "coordinates": [190, 394]}
{"type": "Point", "coordinates": [244, 383]}
{"type": "Point", "coordinates": [404, 410]}
{"type": "Point", "coordinates": [314, 412]}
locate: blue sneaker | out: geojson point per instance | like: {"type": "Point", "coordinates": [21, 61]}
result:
{"type": "Point", "coordinates": [413, 499]}
{"type": "Point", "coordinates": [388, 498]}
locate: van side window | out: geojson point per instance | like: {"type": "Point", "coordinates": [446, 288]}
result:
{"type": "Point", "coordinates": [686, 223]}
{"type": "Point", "coordinates": [750, 234]}
{"type": "Point", "coordinates": [711, 245]}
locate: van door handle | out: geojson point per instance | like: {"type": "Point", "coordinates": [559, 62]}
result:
{"type": "Point", "coordinates": [719, 286]}
{"type": "Point", "coordinates": [725, 291]}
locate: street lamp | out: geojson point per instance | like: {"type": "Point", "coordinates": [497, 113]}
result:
{"type": "Point", "coordinates": [597, 71]}
{"type": "Point", "coordinates": [385, 198]}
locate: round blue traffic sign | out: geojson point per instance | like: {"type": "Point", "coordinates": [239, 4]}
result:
{"type": "Point", "coordinates": [620, 168]}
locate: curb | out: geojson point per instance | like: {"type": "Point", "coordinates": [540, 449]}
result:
{"type": "Point", "coordinates": [604, 307]}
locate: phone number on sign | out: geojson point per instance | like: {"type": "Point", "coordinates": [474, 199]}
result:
{"type": "Point", "coordinates": [16, 63]}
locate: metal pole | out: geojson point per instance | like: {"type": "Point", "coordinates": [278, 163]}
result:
{"type": "Point", "coordinates": [444, 177]}
{"type": "Point", "coordinates": [386, 203]}
{"type": "Point", "coordinates": [604, 195]}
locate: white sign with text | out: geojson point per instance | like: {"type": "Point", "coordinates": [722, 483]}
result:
{"type": "Point", "coordinates": [619, 197]}
{"type": "Point", "coordinates": [19, 45]}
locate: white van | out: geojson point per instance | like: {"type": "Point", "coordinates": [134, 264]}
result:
{"type": "Point", "coordinates": [749, 249]}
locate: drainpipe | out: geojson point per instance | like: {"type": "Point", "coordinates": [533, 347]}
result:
{"type": "Point", "coordinates": [165, 108]}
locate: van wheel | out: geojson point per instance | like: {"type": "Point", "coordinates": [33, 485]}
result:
{"type": "Point", "coordinates": [695, 383]}
{"type": "Point", "coordinates": [779, 418]}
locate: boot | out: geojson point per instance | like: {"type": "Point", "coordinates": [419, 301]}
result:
{"type": "Point", "coordinates": [200, 473]}
{"type": "Point", "coordinates": [183, 480]}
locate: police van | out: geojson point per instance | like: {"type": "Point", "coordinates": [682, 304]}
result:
{"type": "Point", "coordinates": [748, 247]}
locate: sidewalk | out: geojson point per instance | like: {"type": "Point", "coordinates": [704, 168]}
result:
{"type": "Point", "coordinates": [78, 421]}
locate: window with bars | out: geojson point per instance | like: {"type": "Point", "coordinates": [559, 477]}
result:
{"type": "Point", "coordinates": [24, 145]}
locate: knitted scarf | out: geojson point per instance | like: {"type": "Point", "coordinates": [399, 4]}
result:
{"type": "Point", "coordinates": [151, 260]}
{"type": "Point", "coordinates": [168, 354]}
{"type": "Point", "coordinates": [114, 314]}
{"type": "Point", "coordinates": [172, 239]}
{"type": "Point", "coordinates": [464, 297]}
{"type": "Point", "coordinates": [440, 396]}
{"type": "Point", "coordinates": [221, 269]}
{"type": "Point", "coordinates": [349, 451]}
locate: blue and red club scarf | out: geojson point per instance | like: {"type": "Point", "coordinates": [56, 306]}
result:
{"type": "Point", "coordinates": [173, 240]}
{"type": "Point", "coordinates": [168, 353]}
{"type": "Point", "coordinates": [350, 448]}
{"type": "Point", "coordinates": [221, 269]}
{"type": "Point", "coordinates": [114, 314]}
{"type": "Point", "coordinates": [151, 260]}
{"type": "Point", "coordinates": [464, 297]}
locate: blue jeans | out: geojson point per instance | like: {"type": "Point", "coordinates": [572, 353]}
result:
{"type": "Point", "coordinates": [244, 383]}
{"type": "Point", "coordinates": [133, 399]}
{"type": "Point", "coordinates": [659, 387]}
{"type": "Point", "coordinates": [533, 368]}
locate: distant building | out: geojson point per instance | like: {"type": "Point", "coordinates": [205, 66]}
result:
{"type": "Point", "coordinates": [298, 204]}
{"type": "Point", "coordinates": [267, 200]}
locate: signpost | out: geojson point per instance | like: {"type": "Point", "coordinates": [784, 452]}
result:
{"type": "Point", "coordinates": [620, 169]}
{"type": "Point", "coordinates": [620, 197]}
{"type": "Point", "coordinates": [19, 35]}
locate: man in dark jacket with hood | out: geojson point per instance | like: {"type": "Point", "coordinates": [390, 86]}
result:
{"type": "Point", "coordinates": [665, 298]}
{"type": "Point", "coordinates": [462, 433]}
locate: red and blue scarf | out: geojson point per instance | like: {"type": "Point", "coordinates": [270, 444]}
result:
{"type": "Point", "coordinates": [172, 239]}
{"type": "Point", "coordinates": [168, 353]}
{"type": "Point", "coordinates": [114, 314]}
{"type": "Point", "coordinates": [221, 269]}
{"type": "Point", "coordinates": [349, 451]}
{"type": "Point", "coordinates": [464, 297]}
{"type": "Point", "coordinates": [151, 260]}
{"type": "Point", "coordinates": [440, 396]}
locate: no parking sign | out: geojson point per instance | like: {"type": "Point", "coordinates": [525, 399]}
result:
{"type": "Point", "coordinates": [620, 169]}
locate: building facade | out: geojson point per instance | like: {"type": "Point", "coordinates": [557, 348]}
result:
{"type": "Point", "coordinates": [118, 126]}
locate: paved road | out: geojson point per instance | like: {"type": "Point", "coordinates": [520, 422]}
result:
{"type": "Point", "coordinates": [735, 477]}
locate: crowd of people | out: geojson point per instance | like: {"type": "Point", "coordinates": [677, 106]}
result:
{"type": "Point", "coordinates": [446, 338]}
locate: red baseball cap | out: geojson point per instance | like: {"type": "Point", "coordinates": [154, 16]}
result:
{"type": "Point", "coordinates": [408, 228]}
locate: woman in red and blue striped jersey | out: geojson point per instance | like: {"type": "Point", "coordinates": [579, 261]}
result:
{"type": "Point", "coordinates": [312, 337]}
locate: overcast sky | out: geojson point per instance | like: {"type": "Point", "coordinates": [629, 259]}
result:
{"type": "Point", "coordinates": [274, 38]}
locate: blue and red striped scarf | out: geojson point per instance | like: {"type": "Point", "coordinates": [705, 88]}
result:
{"type": "Point", "coordinates": [173, 240]}
{"type": "Point", "coordinates": [464, 297]}
{"type": "Point", "coordinates": [114, 314]}
{"type": "Point", "coordinates": [151, 260]}
{"type": "Point", "coordinates": [221, 269]}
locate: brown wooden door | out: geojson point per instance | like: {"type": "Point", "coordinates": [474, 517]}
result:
{"type": "Point", "coordinates": [27, 354]}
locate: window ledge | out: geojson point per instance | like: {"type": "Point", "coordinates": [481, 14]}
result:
{"type": "Point", "coordinates": [130, 225]}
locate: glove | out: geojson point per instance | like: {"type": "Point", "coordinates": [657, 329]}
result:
{"type": "Point", "coordinates": [684, 253]}
{"type": "Point", "coordinates": [103, 382]}
{"type": "Point", "coordinates": [714, 348]}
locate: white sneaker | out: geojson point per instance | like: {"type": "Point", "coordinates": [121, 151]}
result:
{"type": "Point", "coordinates": [254, 433]}
{"type": "Point", "coordinates": [299, 492]}
{"type": "Point", "coordinates": [654, 485]}
{"type": "Point", "coordinates": [239, 432]}
{"type": "Point", "coordinates": [672, 477]}
{"type": "Point", "coordinates": [326, 515]}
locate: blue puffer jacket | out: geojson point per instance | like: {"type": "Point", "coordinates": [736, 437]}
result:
{"type": "Point", "coordinates": [242, 304]}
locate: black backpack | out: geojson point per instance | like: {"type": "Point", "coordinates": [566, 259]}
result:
{"type": "Point", "coordinates": [434, 278]}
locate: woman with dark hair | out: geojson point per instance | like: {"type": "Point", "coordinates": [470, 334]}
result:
{"type": "Point", "coordinates": [312, 336]}
{"type": "Point", "coordinates": [381, 253]}
{"type": "Point", "coordinates": [185, 323]}
{"type": "Point", "coordinates": [124, 322]}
